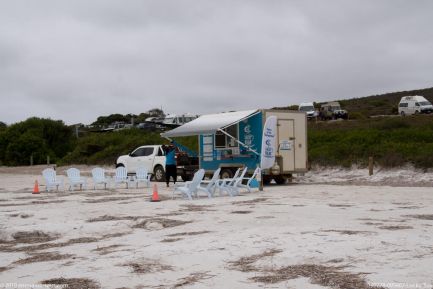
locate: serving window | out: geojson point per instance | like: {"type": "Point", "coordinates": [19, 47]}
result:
{"type": "Point", "coordinates": [223, 141]}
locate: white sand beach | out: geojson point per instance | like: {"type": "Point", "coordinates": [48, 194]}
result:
{"type": "Point", "coordinates": [329, 228]}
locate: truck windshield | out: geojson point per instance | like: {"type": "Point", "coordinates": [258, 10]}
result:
{"type": "Point", "coordinates": [306, 108]}
{"type": "Point", "coordinates": [422, 103]}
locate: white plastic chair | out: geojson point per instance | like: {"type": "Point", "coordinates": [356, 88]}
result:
{"type": "Point", "coordinates": [210, 185]}
{"type": "Point", "coordinates": [142, 176]}
{"type": "Point", "coordinates": [121, 176]}
{"type": "Point", "coordinates": [223, 184]}
{"type": "Point", "coordinates": [98, 175]}
{"type": "Point", "coordinates": [239, 183]}
{"type": "Point", "coordinates": [232, 187]}
{"type": "Point", "coordinates": [190, 188]}
{"type": "Point", "coordinates": [75, 179]}
{"type": "Point", "coordinates": [51, 179]}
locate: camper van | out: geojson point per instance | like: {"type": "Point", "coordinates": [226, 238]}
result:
{"type": "Point", "coordinates": [233, 140]}
{"type": "Point", "coordinates": [177, 120]}
{"type": "Point", "coordinates": [413, 105]}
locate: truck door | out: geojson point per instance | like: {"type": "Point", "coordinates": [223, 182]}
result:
{"type": "Point", "coordinates": [136, 159]}
{"type": "Point", "coordinates": [159, 158]}
{"type": "Point", "coordinates": [148, 158]}
{"type": "Point", "coordinates": [141, 157]}
{"type": "Point", "coordinates": [285, 143]}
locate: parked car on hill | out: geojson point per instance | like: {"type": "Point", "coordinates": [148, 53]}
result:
{"type": "Point", "coordinates": [413, 105]}
{"type": "Point", "coordinates": [308, 108]}
{"type": "Point", "coordinates": [147, 126]}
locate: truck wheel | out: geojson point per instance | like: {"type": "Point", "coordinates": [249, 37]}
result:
{"type": "Point", "coordinates": [402, 113]}
{"type": "Point", "coordinates": [120, 165]}
{"type": "Point", "coordinates": [280, 180]}
{"type": "Point", "coordinates": [159, 174]}
{"type": "Point", "coordinates": [186, 178]}
{"type": "Point", "coordinates": [226, 174]}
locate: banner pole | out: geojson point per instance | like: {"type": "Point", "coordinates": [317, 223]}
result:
{"type": "Point", "coordinates": [261, 181]}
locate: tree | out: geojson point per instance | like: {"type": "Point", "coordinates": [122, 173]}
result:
{"type": "Point", "coordinates": [18, 151]}
{"type": "Point", "coordinates": [37, 137]}
{"type": "Point", "coordinates": [156, 112]}
{"type": "Point", "coordinates": [117, 117]}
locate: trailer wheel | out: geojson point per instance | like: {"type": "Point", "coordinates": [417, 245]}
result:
{"type": "Point", "coordinates": [226, 174]}
{"type": "Point", "coordinates": [159, 174]}
{"type": "Point", "coordinates": [280, 180]}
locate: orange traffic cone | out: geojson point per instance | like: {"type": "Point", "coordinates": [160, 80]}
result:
{"type": "Point", "coordinates": [155, 197]}
{"type": "Point", "coordinates": [36, 188]}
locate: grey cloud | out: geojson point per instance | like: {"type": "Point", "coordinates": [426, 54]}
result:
{"type": "Point", "coordinates": [76, 60]}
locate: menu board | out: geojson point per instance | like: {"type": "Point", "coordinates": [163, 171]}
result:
{"type": "Point", "coordinates": [208, 148]}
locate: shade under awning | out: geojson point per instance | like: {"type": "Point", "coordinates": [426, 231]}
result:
{"type": "Point", "coordinates": [209, 123]}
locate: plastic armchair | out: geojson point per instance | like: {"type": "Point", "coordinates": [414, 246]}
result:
{"type": "Point", "coordinates": [233, 187]}
{"type": "Point", "coordinates": [51, 179]}
{"type": "Point", "coordinates": [98, 175]}
{"type": "Point", "coordinates": [75, 179]}
{"type": "Point", "coordinates": [142, 176]}
{"type": "Point", "coordinates": [209, 186]}
{"type": "Point", "coordinates": [121, 176]}
{"type": "Point", "coordinates": [224, 184]}
{"type": "Point", "coordinates": [239, 183]}
{"type": "Point", "coordinates": [190, 188]}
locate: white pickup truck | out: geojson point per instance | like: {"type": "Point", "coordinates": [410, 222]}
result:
{"type": "Point", "coordinates": [152, 157]}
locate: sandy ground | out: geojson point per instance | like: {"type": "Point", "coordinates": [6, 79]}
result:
{"type": "Point", "coordinates": [329, 229]}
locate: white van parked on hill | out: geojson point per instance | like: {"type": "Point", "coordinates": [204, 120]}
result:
{"type": "Point", "coordinates": [413, 105]}
{"type": "Point", "coordinates": [308, 108]}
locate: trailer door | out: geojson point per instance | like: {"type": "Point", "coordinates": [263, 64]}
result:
{"type": "Point", "coordinates": [285, 143]}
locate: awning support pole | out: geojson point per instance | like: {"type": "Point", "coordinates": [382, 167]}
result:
{"type": "Point", "coordinates": [241, 143]}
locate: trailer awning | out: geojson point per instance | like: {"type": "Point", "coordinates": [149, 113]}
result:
{"type": "Point", "coordinates": [209, 123]}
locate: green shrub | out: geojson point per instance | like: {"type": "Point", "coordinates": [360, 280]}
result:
{"type": "Point", "coordinates": [392, 123]}
{"type": "Point", "coordinates": [105, 148]}
{"type": "Point", "coordinates": [391, 141]}
{"type": "Point", "coordinates": [357, 115]}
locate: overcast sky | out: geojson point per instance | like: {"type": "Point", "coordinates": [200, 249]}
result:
{"type": "Point", "coordinates": [77, 60]}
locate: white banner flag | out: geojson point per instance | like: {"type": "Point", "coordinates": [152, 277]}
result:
{"type": "Point", "coordinates": [268, 143]}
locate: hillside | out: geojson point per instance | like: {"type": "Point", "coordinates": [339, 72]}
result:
{"type": "Point", "coordinates": [381, 104]}
{"type": "Point", "coordinates": [393, 141]}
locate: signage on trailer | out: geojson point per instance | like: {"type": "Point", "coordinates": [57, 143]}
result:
{"type": "Point", "coordinates": [268, 143]}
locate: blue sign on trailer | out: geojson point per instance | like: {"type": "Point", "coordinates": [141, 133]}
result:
{"type": "Point", "coordinates": [219, 150]}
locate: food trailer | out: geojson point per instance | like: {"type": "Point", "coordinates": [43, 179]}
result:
{"type": "Point", "coordinates": [233, 140]}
